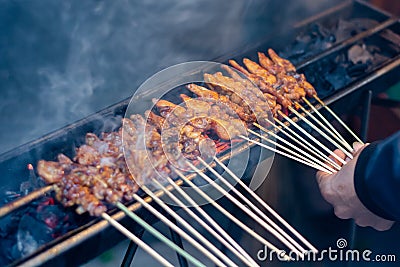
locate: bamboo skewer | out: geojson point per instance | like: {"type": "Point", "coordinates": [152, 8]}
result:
{"type": "Point", "coordinates": [9, 207]}
{"type": "Point", "coordinates": [251, 205]}
{"type": "Point", "coordinates": [328, 130]}
{"type": "Point", "coordinates": [230, 216]}
{"type": "Point", "coordinates": [152, 230]}
{"type": "Point", "coordinates": [159, 235]}
{"type": "Point", "coordinates": [311, 157]}
{"type": "Point", "coordinates": [320, 163]}
{"type": "Point", "coordinates": [205, 225]}
{"type": "Point", "coordinates": [137, 240]}
{"type": "Point", "coordinates": [313, 139]}
{"type": "Point", "coordinates": [211, 221]}
{"type": "Point", "coordinates": [286, 155]}
{"type": "Point", "coordinates": [303, 142]}
{"type": "Point", "coordinates": [299, 252]}
{"type": "Point", "coordinates": [187, 226]}
{"type": "Point", "coordinates": [294, 154]}
{"type": "Point", "coordinates": [338, 119]}
{"type": "Point", "coordinates": [327, 123]}
{"type": "Point", "coordinates": [265, 205]}
{"type": "Point", "coordinates": [321, 132]}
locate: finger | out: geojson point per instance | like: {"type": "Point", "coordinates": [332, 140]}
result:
{"type": "Point", "coordinates": [343, 212]}
{"type": "Point", "coordinates": [383, 226]}
{"type": "Point", "coordinates": [357, 146]}
{"type": "Point", "coordinates": [321, 175]}
{"type": "Point", "coordinates": [339, 153]}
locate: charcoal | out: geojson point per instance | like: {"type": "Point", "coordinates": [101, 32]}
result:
{"type": "Point", "coordinates": [317, 38]}
{"type": "Point", "coordinates": [338, 78]}
{"type": "Point", "coordinates": [357, 69]}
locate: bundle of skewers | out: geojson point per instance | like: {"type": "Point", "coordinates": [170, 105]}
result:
{"type": "Point", "coordinates": [261, 103]}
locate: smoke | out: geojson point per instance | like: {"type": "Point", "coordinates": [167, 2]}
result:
{"type": "Point", "coordinates": [63, 60]}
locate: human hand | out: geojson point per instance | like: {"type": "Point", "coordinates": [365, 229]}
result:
{"type": "Point", "coordinates": [338, 189]}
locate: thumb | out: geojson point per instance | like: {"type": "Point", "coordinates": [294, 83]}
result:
{"type": "Point", "coordinates": [357, 146]}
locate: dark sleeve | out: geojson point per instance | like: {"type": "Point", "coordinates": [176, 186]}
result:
{"type": "Point", "coordinates": [377, 177]}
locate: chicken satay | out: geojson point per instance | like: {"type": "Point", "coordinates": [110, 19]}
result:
{"type": "Point", "coordinates": [228, 130]}
{"type": "Point", "coordinates": [259, 105]}
{"type": "Point", "coordinates": [198, 107]}
{"type": "Point", "coordinates": [178, 113]}
{"type": "Point", "coordinates": [271, 98]}
{"type": "Point", "coordinates": [223, 100]}
{"type": "Point", "coordinates": [288, 83]}
{"type": "Point", "coordinates": [286, 64]}
{"type": "Point", "coordinates": [265, 87]}
{"type": "Point", "coordinates": [165, 107]}
{"type": "Point", "coordinates": [156, 120]}
{"type": "Point", "coordinates": [269, 65]}
{"type": "Point", "coordinates": [310, 90]}
{"type": "Point", "coordinates": [285, 71]}
{"type": "Point", "coordinates": [225, 126]}
{"type": "Point", "coordinates": [257, 70]}
{"type": "Point", "coordinates": [284, 101]}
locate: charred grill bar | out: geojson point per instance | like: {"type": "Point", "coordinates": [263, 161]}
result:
{"type": "Point", "coordinates": [340, 71]}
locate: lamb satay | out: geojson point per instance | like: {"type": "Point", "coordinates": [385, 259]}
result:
{"type": "Point", "coordinates": [272, 102]}
{"type": "Point", "coordinates": [106, 154]}
{"type": "Point", "coordinates": [221, 99]}
{"type": "Point", "coordinates": [144, 153]}
{"type": "Point", "coordinates": [68, 186]}
{"type": "Point", "coordinates": [168, 132]}
{"type": "Point", "coordinates": [184, 138]}
{"type": "Point", "coordinates": [110, 167]}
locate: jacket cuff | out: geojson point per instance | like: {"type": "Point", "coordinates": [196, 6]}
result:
{"type": "Point", "coordinates": [361, 186]}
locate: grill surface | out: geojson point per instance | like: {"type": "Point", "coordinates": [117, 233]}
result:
{"type": "Point", "coordinates": [85, 240]}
